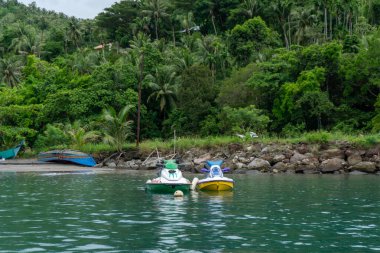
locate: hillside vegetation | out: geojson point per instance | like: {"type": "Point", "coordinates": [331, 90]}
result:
{"type": "Point", "coordinates": [145, 69]}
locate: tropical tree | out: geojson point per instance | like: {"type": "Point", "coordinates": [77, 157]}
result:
{"type": "Point", "coordinates": [156, 9]}
{"type": "Point", "coordinates": [74, 32]}
{"type": "Point", "coordinates": [282, 10]}
{"type": "Point", "coordinates": [164, 83]}
{"type": "Point", "coordinates": [137, 53]}
{"type": "Point", "coordinates": [117, 127]}
{"type": "Point", "coordinates": [79, 135]}
{"type": "Point", "coordinates": [10, 71]}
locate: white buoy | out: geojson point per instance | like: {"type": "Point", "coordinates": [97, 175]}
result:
{"type": "Point", "coordinates": [178, 193]}
{"type": "Point", "coordinates": [149, 181]}
{"type": "Point", "coordinates": [194, 183]}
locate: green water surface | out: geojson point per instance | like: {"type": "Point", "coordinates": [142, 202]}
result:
{"type": "Point", "coordinates": [113, 213]}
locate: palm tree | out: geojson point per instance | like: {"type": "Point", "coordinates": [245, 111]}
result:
{"type": "Point", "coordinates": [213, 53]}
{"type": "Point", "coordinates": [74, 32]}
{"type": "Point", "coordinates": [303, 19]}
{"type": "Point", "coordinates": [140, 25]}
{"type": "Point", "coordinates": [282, 10]}
{"type": "Point", "coordinates": [187, 21]}
{"type": "Point", "coordinates": [156, 9]}
{"type": "Point", "coordinates": [117, 127]}
{"type": "Point", "coordinates": [78, 134]}
{"type": "Point", "coordinates": [251, 7]}
{"type": "Point", "coordinates": [10, 71]}
{"type": "Point", "coordinates": [163, 82]}
{"type": "Point", "coordinates": [182, 59]}
{"type": "Point", "coordinates": [137, 52]}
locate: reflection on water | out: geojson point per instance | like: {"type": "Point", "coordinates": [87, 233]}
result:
{"type": "Point", "coordinates": [113, 213]}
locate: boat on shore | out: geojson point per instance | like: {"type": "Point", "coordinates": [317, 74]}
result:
{"type": "Point", "coordinates": [67, 156]}
{"type": "Point", "coordinates": [169, 180]}
{"type": "Point", "coordinates": [12, 152]}
{"type": "Point", "coordinates": [215, 180]}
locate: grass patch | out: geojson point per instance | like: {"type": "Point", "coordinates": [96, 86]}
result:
{"type": "Point", "coordinates": [186, 143]}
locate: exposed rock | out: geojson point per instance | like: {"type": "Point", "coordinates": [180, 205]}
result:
{"type": "Point", "coordinates": [369, 167]}
{"type": "Point", "coordinates": [244, 160]}
{"type": "Point", "coordinates": [198, 168]}
{"type": "Point", "coordinates": [186, 166]}
{"type": "Point", "coordinates": [239, 165]}
{"type": "Point", "coordinates": [150, 164]}
{"type": "Point", "coordinates": [233, 147]}
{"type": "Point", "coordinates": [112, 165]}
{"type": "Point", "coordinates": [268, 157]}
{"type": "Point", "coordinates": [265, 150]}
{"type": "Point", "coordinates": [311, 169]}
{"type": "Point", "coordinates": [303, 149]}
{"type": "Point", "coordinates": [275, 171]}
{"type": "Point", "coordinates": [259, 164]}
{"type": "Point", "coordinates": [372, 152]}
{"type": "Point", "coordinates": [132, 165]}
{"type": "Point", "coordinates": [297, 157]}
{"type": "Point", "coordinates": [332, 153]}
{"type": "Point", "coordinates": [354, 159]}
{"type": "Point", "coordinates": [278, 158]}
{"type": "Point", "coordinates": [203, 158]}
{"type": "Point", "coordinates": [331, 165]}
{"type": "Point", "coordinates": [280, 166]}
{"type": "Point", "coordinates": [288, 153]}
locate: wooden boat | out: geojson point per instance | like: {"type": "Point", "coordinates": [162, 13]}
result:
{"type": "Point", "coordinates": [215, 180]}
{"type": "Point", "coordinates": [11, 153]}
{"type": "Point", "coordinates": [170, 179]}
{"type": "Point", "coordinates": [67, 156]}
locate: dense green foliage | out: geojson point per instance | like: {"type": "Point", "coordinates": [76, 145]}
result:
{"type": "Point", "coordinates": [198, 67]}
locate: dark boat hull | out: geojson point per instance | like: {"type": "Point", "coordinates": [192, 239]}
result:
{"type": "Point", "coordinates": [67, 156]}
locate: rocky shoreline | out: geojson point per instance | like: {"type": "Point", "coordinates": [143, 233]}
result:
{"type": "Point", "coordinates": [303, 158]}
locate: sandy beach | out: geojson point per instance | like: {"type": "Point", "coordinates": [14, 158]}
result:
{"type": "Point", "coordinates": [32, 165]}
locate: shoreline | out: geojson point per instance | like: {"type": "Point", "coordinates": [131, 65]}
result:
{"type": "Point", "coordinates": [250, 158]}
{"type": "Point", "coordinates": [301, 158]}
{"type": "Point", "coordinates": [34, 166]}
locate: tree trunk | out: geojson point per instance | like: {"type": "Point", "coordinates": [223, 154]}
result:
{"type": "Point", "coordinates": [289, 31]}
{"type": "Point", "coordinates": [156, 25]}
{"type": "Point", "coordinates": [213, 22]}
{"type": "Point", "coordinates": [325, 23]}
{"type": "Point", "coordinates": [139, 100]}
{"type": "Point", "coordinates": [285, 36]}
{"type": "Point", "coordinates": [331, 30]}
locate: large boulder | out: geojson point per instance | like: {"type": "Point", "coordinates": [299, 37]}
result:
{"type": "Point", "coordinates": [369, 167]}
{"type": "Point", "coordinates": [280, 166]}
{"type": "Point", "coordinates": [332, 165]}
{"type": "Point", "coordinates": [259, 164]}
{"type": "Point", "coordinates": [311, 168]}
{"type": "Point", "coordinates": [278, 158]}
{"type": "Point", "coordinates": [112, 165]}
{"type": "Point", "coordinates": [332, 153]}
{"type": "Point", "coordinates": [354, 159]}
{"type": "Point", "coordinates": [149, 164]}
{"type": "Point", "coordinates": [372, 152]}
{"type": "Point", "coordinates": [202, 159]}
{"type": "Point", "coordinates": [297, 157]}
{"type": "Point", "coordinates": [302, 149]}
